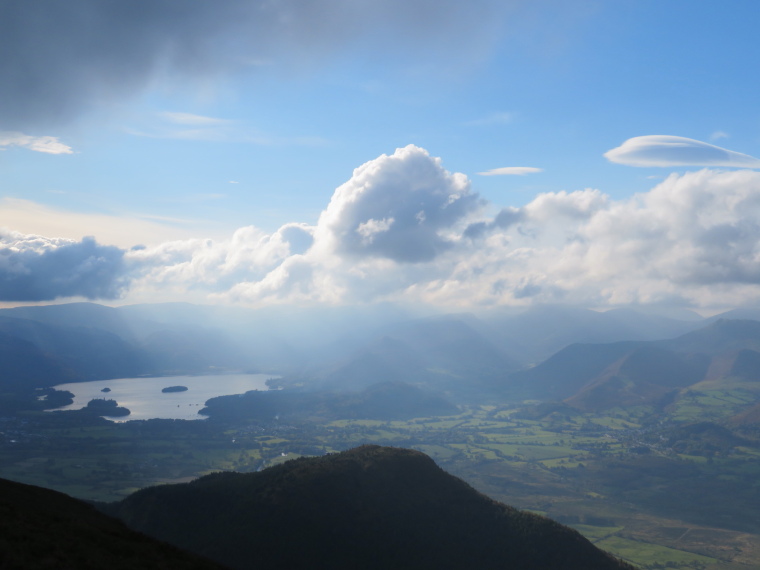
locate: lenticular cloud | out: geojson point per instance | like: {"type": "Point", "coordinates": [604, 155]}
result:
{"type": "Point", "coordinates": [663, 150]}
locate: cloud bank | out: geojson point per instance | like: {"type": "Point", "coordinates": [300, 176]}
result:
{"type": "Point", "coordinates": [35, 268]}
{"type": "Point", "coordinates": [402, 228]}
{"type": "Point", "coordinates": [668, 151]}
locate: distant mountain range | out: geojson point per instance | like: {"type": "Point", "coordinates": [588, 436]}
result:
{"type": "Point", "coordinates": [589, 359]}
{"type": "Point", "coordinates": [594, 377]}
{"type": "Point", "coordinates": [370, 507]}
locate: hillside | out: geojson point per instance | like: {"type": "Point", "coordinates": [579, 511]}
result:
{"type": "Point", "coordinates": [45, 529]}
{"type": "Point", "coordinates": [370, 507]}
{"type": "Point", "coordinates": [382, 401]}
{"type": "Point", "coordinates": [648, 375]}
{"type": "Point", "coordinates": [442, 353]}
{"type": "Point", "coordinates": [594, 377]}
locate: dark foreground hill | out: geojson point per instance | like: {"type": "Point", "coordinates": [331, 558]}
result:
{"type": "Point", "coordinates": [40, 528]}
{"type": "Point", "coordinates": [370, 507]}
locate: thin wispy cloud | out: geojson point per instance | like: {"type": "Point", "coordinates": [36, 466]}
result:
{"type": "Point", "coordinates": [717, 135]}
{"type": "Point", "coordinates": [45, 144]}
{"type": "Point", "coordinates": [511, 171]}
{"type": "Point", "coordinates": [122, 229]}
{"type": "Point", "coordinates": [669, 151]}
{"type": "Point", "coordinates": [191, 119]}
{"type": "Point", "coordinates": [211, 129]}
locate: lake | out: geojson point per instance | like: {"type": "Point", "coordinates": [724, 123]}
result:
{"type": "Point", "coordinates": [143, 396]}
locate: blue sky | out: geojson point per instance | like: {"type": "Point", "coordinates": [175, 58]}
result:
{"type": "Point", "coordinates": [160, 125]}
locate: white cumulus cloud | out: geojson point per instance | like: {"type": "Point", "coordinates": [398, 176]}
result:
{"type": "Point", "coordinates": [401, 207]}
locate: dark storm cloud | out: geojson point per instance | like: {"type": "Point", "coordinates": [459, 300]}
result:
{"type": "Point", "coordinates": [59, 57]}
{"type": "Point", "coordinates": [34, 268]}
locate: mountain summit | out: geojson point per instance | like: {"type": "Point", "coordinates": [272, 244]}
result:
{"type": "Point", "coordinates": [370, 507]}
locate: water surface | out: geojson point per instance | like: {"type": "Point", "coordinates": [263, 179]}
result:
{"type": "Point", "coordinates": [143, 396]}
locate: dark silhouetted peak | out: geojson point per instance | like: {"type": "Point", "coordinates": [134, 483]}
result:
{"type": "Point", "coordinates": [44, 529]}
{"type": "Point", "coordinates": [370, 507]}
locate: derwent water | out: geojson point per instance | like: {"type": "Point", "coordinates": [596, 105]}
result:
{"type": "Point", "coordinates": [143, 396]}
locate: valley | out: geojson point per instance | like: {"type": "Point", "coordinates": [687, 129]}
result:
{"type": "Point", "coordinates": [649, 444]}
{"type": "Point", "coordinates": [611, 476]}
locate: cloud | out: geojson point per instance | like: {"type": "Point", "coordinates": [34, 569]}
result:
{"type": "Point", "coordinates": [504, 219]}
{"type": "Point", "coordinates": [30, 217]}
{"type": "Point", "coordinates": [402, 228]}
{"type": "Point", "coordinates": [511, 171]}
{"type": "Point", "coordinates": [34, 268]}
{"type": "Point", "coordinates": [191, 119]}
{"type": "Point", "coordinates": [668, 151]}
{"type": "Point", "coordinates": [399, 207]}
{"type": "Point", "coordinates": [190, 127]}
{"type": "Point", "coordinates": [719, 135]}
{"type": "Point", "coordinates": [694, 239]}
{"type": "Point", "coordinates": [46, 144]}
{"type": "Point", "coordinates": [76, 54]}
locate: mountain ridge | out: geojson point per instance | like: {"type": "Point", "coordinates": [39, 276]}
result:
{"type": "Point", "coordinates": [369, 507]}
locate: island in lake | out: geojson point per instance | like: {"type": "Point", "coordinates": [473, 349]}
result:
{"type": "Point", "coordinates": [106, 389]}
{"type": "Point", "coordinates": [175, 389]}
{"type": "Point", "coordinates": [106, 408]}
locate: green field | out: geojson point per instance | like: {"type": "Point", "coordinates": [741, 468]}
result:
{"type": "Point", "coordinates": [608, 475]}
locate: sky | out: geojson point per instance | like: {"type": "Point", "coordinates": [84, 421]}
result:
{"type": "Point", "coordinates": [460, 155]}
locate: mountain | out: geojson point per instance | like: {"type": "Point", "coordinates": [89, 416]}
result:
{"type": "Point", "coordinates": [370, 507]}
{"type": "Point", "coordinates": [538, 332]}
{"type": "Point", "coordinates": [89, 315]}
{"type": "Point", "coordinates": [746, 366]}
{"type": "Point", "coordinates": [647, 375]}
{"type": "Point", "coordinates": [719, 337]}
{"type": "Point", "coordinates": [25, 365]}
{"type": "Point", "coordinates": [566, 372]}
{"type": "Point", "coordinates": [44, 529]}
{"type": "Point", "coordinates": [72, 353]}
{"type": "Point", "coordinates": [348, 347]}
{"type": "Point", "coordinates": [594, 377]}
{"type": "Point", "coordinates": [42, 346]}
{"type": "Point", "coordinates": [280, 338]}
{"type": "Point", "coordinates": [440, 353]}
